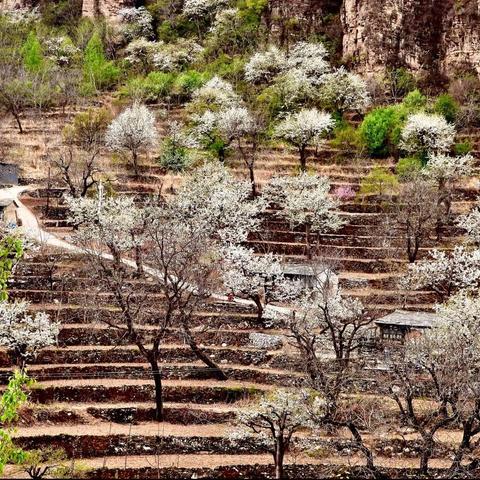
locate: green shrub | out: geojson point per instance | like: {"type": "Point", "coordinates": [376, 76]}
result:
{"type": "Point", "coordinates": [379, 181]}
{"type": "Point", "coordinates": [415, 101]}
{"type": "Point", "coordinates": [187, 82]}
{"type": "Point", "coordinates": [463, 148]}
{"type": "Point", "coordinates": [99, 73]}
{"type": "Point", "coordinates": [64, 13]}
{"type": "Point", "coordinates": [32, 54]}
{"type": "Point", "coordinates": [377, 130]}
{"type": "Point", "coordinates": [447, 106]}
{"type": "Point", "coordinates": [407, 167]}
{"type": "Point", "coordinates": [152, 88]}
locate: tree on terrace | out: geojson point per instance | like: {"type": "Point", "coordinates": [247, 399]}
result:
{"type": "Point", "coordinates": [322, 321]}
{"type": "Point", "coordinates": [303, 129]}
{"type": "Point", "coordinates": [445, 170]}
{"type": "Point", "coordinates": [132, 131]}
{"type": "Point", "coordinates": [275, 418]}
{"type": "Point", "coordinates": [304, 200]}
{"type": "Point", "coordinates": [177, 240]}
{"type": "Point", "coordinates": [257, 277]}
{"type": "Point", "coordinates": [25, 333]}
{"type": "Point", "coordinates": [427, 365]}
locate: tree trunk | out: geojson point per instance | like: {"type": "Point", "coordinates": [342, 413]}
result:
{"type": "Point", "coordinates": [252, 180]}
{"type": "Point", "coordinates": [426, 454]}
{"type": "Point", "coordinates": [303, 158]}
{"type": "Point", "coordinates": [157, 378]}
{"type": "Point", "coordinates": [217, 372]}
{"type": "Point", "coordinates": [258, 304]}
{"type": "Point", "coordinates": [19, 123]}
{"type": "Point", "coordinates": [279, 455]}
{"type": "Point", "coordinates": [135, 161]}
{"type": "Point", "coordinates": [307, 240]}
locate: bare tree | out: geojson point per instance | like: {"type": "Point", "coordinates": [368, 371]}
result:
{"type": "Point", "coordinates": [415, 214]}
{"type": "Point", "coordinates": [77, 169]}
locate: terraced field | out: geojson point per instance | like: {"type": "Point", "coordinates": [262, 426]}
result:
{"type": "Point", "coordinates": [94, 392]}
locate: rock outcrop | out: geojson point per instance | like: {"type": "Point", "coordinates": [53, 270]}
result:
{"type": "Point", "coordinates": [437, 36]}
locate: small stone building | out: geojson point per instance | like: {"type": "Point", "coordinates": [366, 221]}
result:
{"type": "Point", "coordinates": [401, 324]}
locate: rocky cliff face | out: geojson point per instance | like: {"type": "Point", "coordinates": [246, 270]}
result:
{"type": "Point", "coordinates": [433, 35]}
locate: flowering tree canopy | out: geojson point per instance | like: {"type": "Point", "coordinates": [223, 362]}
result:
{"type": "Point", "coordinates": [133, 130]}
{"type": "Point", "coordinates": [341, 90]}
{"type": "Point", "coordinates": [25, 333]}
{"type": "Point", "coordinates": [258, 277]}
{"type": "Point", "coordinates": [136, 22]}
{"type": "Point", "coordinates": [425, 134]}
{"type": "Point", "coordinates": [444, 168]}
{"type": "Point", "coordinates": [445, 273]}
{"type": "Point", "coordinates": [305, 128]}
{"type": "Point", "coordinates": [275, 419]}
{"type": "Point", "coordinates": [304, 199]}
{"type": "Point", "coordinates": [217, 93]}
{"type": "Point", "coordinates": [471, 223]}
{"type": "Point", "coordinates": [211, 196]}
{"type": "Point", "coordinates": [264, 66]}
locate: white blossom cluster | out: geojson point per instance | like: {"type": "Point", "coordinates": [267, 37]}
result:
{"type": "Point", "coordinates": [216, 92]}
{"type": "Point", "coordinates": [446, 273]}
{"type": "Point", "coordinates": [136, 22]}
{"type": "Point", "coordinates": [278, 413]}
{"type": "Point", "coordinates": [108, 220]}
{"type": "Point", "coordinates": [173, 56]}
{"type": "Point", "coordinates": [24, 15]}
{"type": "Point", "coordinates": [141, 51]}
{"type": "Point", "coordinates": [305, 127]}
{"type": "Point", "coordinates": [231, 122]}
{"type": "Point", "coordinates": [223, 20]}
{"type": "Point", "coordinates": [452, 350]}
{"type": "Point", "coordinates": [471, 223]}
{"type": "Point", "coordinates": [265, 341]}
{"type": "Point", "coordinates": [304, 73]}
{"type": "Point", "coordinates": [343, 90]}
{"type": "Point", "coordinates": [426, 134]}
{"type": "Point", "coordinates": [304, 199]}
{"type": "Point", "coordinates": [261, 276]}
{"type": "Point", "coordinates": [264, 66]}
{"type": "Point", "coordinates": [132, 130]}
{"type": "Point", "coordinates": [61, 50]}
{"type": "Point", "coordinates": [308, 59]}
{"type": "Point", "coordinates": [197, 9]}
{"type": "Point", "coordinates": [220, 203]}
{"type": "Point", "coordinates": [23, 332]}
{"type": "Point", "coordinates": [444, 168]}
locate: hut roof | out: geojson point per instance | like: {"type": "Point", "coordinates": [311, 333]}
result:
{"type": "Point", "coordinates": [405, 318]}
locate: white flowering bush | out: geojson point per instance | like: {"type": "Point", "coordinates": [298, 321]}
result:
{"type": "Point", "coordinates": [140, 52]}
{"type": "Point", "coordinates": [222, 127]}
{"type": "Point", "coordinates": [175, 55]}
{"type": "Point", "coordinates": [310, 58]}
{"type": "Point", "coordinates": [264, 66]}
{"type": "Point", "coordinates": [304, 199]}
{"type": "Point", "coordinates": [18, 16]}
{"type": "Point", "coordinates": [198, 9]}
{"type": "Point", "coordinates": [109, 219]}
{"type": "Point", "coordinates": [25, 333]}
{"type": "Point", "coordinates": [135, 23]}
{"type": "Point", "coordinates": [216, 92]}
{"type": "Point", "coordinates": [341, 91]}
{"type": "Point", "coordinates": [445, 273]}
{"type": "Point", "coordinates": [304, 128]}
{"type": "Point", "coordinates": [426, 134]}
{"type": "Point", "coordinates": [133, 130]}
{"type": "Point", "coordinates": [444, 168]}
{"type": "Point", "coordinates": [61, 50]}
